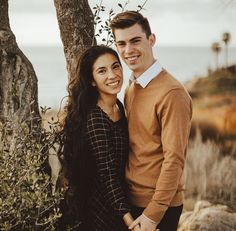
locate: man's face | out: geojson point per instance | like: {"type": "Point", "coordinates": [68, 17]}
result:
{"type": "Point", "coordinates": [135, 48]}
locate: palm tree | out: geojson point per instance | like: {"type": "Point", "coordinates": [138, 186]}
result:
{"type": "Point", "coordinates": [226, 38]}
{"type": "Point", "coordinates": [216, 48]}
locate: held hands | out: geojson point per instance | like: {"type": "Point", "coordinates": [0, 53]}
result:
{"type": "Point", "coordinates": [136, 228]}
{"type": "Point", "coordinates": [128, 219]}
{"type": "Point", "coordinates": [144, 223]}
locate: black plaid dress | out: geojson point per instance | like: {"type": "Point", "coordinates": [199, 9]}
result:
{"type": "Point", "coordinates": [108, 144]}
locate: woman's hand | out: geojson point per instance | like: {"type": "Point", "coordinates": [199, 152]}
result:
{"type": "Point", "coordinates": [128, 219]}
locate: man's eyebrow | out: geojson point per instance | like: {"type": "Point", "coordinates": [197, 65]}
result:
{"type": "Point", "coordinates": [131, 40]}
{"type": "Point", "coordinates": [121, 41]}
{"type": "Point", "coordinates": [137, 37]}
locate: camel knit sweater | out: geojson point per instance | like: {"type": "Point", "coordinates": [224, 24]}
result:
{"type": "Point", "coordinates": [159, 120]}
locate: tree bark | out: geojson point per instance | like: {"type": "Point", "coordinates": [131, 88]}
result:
{"type": "Point", "coordinates": [18, 81]}
{"type": "Point", "coordinates": [75, 20]}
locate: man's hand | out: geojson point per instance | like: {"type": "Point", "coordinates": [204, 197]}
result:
{"type": "Point", "coordinates": [145, 224]}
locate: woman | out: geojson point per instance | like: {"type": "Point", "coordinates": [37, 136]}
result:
{"type": "Point", "coordinates": [96, 142]}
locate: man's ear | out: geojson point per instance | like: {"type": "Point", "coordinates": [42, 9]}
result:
{"type": "Point", "coordinates": [152, 39]}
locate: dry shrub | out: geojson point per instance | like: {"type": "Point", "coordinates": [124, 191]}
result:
{"type": "Point", "coordinates": [230, 121]}
{"type": "Point", "coordinates": [26, 199]}
{"type": "Point", "coordinates": [208, 130]}
{"type": "Point", "coordinates": [210, 175]}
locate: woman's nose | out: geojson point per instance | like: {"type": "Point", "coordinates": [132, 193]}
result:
{"type": "Point", "coordinates": [111, 74]}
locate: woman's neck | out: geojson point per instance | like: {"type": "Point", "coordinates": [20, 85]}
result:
{"type": "Point", "coordinates": [107, 103]}
{"type": "Point", "coordinates": [109, 106]}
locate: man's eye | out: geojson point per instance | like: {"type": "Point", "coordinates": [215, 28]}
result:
{"type": "Point", "coordinates": [136, 41]}
{"type": "Point", "coordinates": [120, 44]}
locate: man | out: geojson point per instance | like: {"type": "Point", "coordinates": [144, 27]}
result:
{"type": "Point", "coordinates": [159, 112]}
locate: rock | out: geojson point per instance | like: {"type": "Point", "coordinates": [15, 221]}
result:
{"type": "Point", "coordinates": [208, 217]}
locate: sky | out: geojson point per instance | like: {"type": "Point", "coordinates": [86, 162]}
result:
{"type": "Point", "coordinates": [174, 22]}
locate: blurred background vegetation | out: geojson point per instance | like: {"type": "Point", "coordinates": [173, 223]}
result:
{"type": "Point", "coordinates": [211, 160]}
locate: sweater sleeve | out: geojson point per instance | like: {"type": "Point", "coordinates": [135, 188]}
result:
{"type": "Point", "coordinates": [99, 141]}
{"type": "Point", "coordinates": [175, 117]}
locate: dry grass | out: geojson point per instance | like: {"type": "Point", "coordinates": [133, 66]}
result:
{"type": "Point", "coordinates": [211, 161]}
{"type": "Point", "coordinates": [209, 175]}
{"type": "Point", "coordinates": [219, 110]}
{"type": "Point", "coordinates": [215, 115]}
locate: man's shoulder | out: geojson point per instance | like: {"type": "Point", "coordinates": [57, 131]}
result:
{"type": "Point", "coordinates": [162, 84]}
{"type": "Point", "coordinates": [166, 84]}
{"type": "Point", "coordinates": [167, 80]}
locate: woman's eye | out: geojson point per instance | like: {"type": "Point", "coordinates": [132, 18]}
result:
{"type": "Point", "coordinates": [116, 66]}
{"type": "Point", "coordinates": [102, 72]}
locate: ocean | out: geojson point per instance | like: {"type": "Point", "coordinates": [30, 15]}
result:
{"type": "Point", "coordinates": [185, 63]}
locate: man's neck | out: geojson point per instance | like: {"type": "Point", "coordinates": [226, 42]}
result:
{"type": "Point", "coordinates": [137, 73]}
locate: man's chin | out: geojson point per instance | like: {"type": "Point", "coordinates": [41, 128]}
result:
{"type": "Point", "coordinates": [132, 67]}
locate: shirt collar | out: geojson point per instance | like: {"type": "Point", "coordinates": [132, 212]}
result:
{"type": "Point", "coordinates": [144, 79]}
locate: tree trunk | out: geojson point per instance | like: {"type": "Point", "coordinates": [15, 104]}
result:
{"type": "Point", "coordinates": [226, 55]}
{"type": "Point", "coordinates": [18, 82]}
{"type": "Point", "coordinates": [75, 20]}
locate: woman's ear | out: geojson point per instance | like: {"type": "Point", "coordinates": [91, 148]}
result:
{"type": "Point", "coordinates": [93, 83]}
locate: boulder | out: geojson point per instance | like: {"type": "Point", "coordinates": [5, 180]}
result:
{"type": "Point", "coordinates": [208, 217]}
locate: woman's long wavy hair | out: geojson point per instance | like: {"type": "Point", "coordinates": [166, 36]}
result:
{"type": "Point", "coordinates": [82, 96]}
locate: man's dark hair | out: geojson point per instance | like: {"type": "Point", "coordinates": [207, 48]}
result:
{"type": "Point", "coordinates": [129, 18]}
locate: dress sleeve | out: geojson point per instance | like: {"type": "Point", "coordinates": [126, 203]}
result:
{"type": "Point", "coordinates": [100, 144]}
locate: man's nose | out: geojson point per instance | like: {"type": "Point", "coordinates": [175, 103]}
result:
{"type": "Point", "coordinates": [128, 48]}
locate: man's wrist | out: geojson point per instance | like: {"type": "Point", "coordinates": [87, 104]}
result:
{"type": "Point", "coordinates": [153, 222]}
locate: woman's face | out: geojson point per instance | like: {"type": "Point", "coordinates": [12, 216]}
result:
{"type": "Point", "coordinates": [107, 75]}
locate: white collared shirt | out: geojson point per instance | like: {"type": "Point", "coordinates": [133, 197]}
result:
{"type": "Point", "coordinates": [144, 79]}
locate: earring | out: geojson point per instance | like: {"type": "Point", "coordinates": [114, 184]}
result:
{"type": "Point", "coordinates": [93, 84]}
